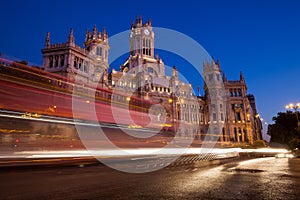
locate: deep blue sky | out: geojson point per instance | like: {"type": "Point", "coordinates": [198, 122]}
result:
{"type": "Point", "coordinates": [260, 38]}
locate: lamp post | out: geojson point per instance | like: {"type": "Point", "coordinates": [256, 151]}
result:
{"type": "Point", "coordinates": [295, 107]}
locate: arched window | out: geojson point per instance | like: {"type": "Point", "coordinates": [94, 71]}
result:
{"type": "Point", "coordinates": [75, 63]}
{"type": "Point", "coordinates": [99, 51]}
{"type": "Point", "coordinates": [213, 106]}
{"type": "Point", "coordinates": [150, 70]}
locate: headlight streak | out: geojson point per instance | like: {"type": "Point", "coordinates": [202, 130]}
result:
{"type": "Point", "coordinates": [116, 153]}
{"type": "Point", "coordinates": [53, 119]}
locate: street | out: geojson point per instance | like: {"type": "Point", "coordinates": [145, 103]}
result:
{"type": "Point", "coordinates": [260, 178]}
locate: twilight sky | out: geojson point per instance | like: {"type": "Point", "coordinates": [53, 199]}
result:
{"type": "Point", "coordinates": [259, 38]}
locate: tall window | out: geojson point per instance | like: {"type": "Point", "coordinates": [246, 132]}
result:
{"type": "Point", "coordinates": [222, 117]}
{"type": "Point", "coordinates": [214, 117]}
{"type": "Point", "coordinates": [56, 61]}
{"type": "Point", "coordinates": [80, 64]}
{"type": "Point", "coordinates": [85, 67]}
{"type": "Point", "coordinates": [62, 60]}
{"type": "Point", "coordinates": [235, 134]}
{"type": "Point", "coordinates": [51, 61]}
{"type": "Point", "coordinates": [237, 116]}
{"type": "Point", "coordinates": [144, 46]}
{"type": "Point", "coordinates": [239, 93]}
{"type": "Point", "coordinates": [99, 51]}
{"type": "Point", "coordinates": [149, 47]}
{"type": "Point", "coordinates": [75, 62]}
{"type": "Point", "coordinates": [231, 93]}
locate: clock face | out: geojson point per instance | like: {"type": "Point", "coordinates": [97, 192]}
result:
{"type": "Point", "coordinates": [131, 34]}
{"type": "Point", "coordinates": [146, 31]}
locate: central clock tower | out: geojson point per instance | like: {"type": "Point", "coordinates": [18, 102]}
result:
{"type": "Point", "coordinates": [142, 69]}
{"type": "Point", "coordinates": [142, 39]}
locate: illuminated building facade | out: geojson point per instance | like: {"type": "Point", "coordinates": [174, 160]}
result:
{"type": "Point", "coordinates": [232, 119]}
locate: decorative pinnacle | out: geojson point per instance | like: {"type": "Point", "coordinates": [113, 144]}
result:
{"type": "Point", "coordinates": [95, 31]}
{"type": "Point", "coordinates": [71, 36]}
{"type": "Point", "coordinates": [47, 43]}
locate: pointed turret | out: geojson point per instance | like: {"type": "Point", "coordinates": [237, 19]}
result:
{"type": "Point", "coordinates": [175, 72]}
{"type": "Point", "coordinates": [132, 25]}
{"type": "Point", "coordinates": [95, 32]}
{"type": "Point", "coordinates": [71, 37]}
{"type": "Point", "coordinates": [141, 20]}
{"type": "Point", "coordinates": [47, 42]}
{"type": "Point", "coordinates": [241, 76]}
{"type": "Point", "coordinates": [199, 88]}
{"type": "Point", "coordinates": [136, 19]}
{"type": "Point", "coordinates": [104, 33]}
{"type": "Point", "coordinates": [157, 57]}
{"type": "Point", "coordinates": [150, 22]}
{"type": "Point", "coordinates": [86, 35]}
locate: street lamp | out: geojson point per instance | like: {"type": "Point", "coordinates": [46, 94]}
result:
{"type": "Point", "coordinates": [295, 107]}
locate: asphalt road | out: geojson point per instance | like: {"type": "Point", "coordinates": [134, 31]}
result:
{"type": "Point", "coordinates": [263, 178]}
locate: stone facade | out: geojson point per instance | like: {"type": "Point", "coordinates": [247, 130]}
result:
{"type": "Point", "coordinates": [225, 112]}
{"type": "Point", "coordinates": [88, 64]}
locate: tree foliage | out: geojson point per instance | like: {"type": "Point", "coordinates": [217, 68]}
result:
{"type": "Point", "coordinates": [285, 130]}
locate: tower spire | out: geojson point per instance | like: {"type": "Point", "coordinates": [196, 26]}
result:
{"type": "Point", "coordinates": [86, 35]}
{"type": "Point", "coordinates": [175, 72]}
{"type": "Point", "coordinates": [141, 20]}
{"type": "Point", "coordinates": [104, 32]}
{"type": "Point", "coordinates": [150, 22]}
{"type": "Point", "coordinates": [241, 76]}
{"type": "Point", "coordinates": [95, 31]}
{"type": "Point", "coordinates": [71, 37]}
{"type": "Point", "coordinates": [47, 43]}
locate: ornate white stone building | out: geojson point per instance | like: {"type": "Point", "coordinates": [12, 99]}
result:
{"type": "Point", "coordinates": [225, 112]}
{"type": "Point", "coordinates": [87, 64]}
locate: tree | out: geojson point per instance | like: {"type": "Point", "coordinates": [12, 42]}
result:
{"type": "Point", "coordinates": [285, 130]}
